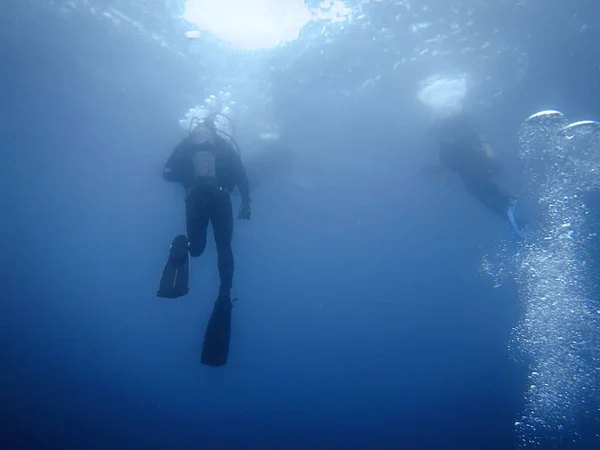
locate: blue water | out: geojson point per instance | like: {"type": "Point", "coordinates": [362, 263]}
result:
{"type": "Point", "coordinates": [362, 321]}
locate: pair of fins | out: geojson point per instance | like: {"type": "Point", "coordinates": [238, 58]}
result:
{"type": "Point", "coordinates": [174, 283]}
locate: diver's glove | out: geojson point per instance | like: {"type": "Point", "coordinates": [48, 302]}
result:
{"type": "Point", "coordinates": [245, 212]}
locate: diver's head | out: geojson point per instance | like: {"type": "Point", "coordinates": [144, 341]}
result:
{"type": "Point", "coordinates": [203, 130]}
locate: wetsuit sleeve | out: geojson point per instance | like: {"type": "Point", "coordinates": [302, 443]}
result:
{"type": "Point", "coordinates": [173, 170]}
{"type": "Point", "coordinates": [241, 179]}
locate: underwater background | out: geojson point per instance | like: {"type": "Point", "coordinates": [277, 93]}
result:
{"type": "Point", "coordinates": [378, 307]}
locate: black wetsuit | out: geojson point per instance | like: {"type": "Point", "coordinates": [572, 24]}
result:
{"type": "Point", "coordinates": [465, 156]}
{"type": "Point", "coordinates": [209, 172]}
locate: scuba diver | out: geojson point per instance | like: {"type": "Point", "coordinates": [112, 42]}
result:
{"type": "Point", "coordinates": [466, 153]}
{"type": "Point", "coordinates": [209, 168]}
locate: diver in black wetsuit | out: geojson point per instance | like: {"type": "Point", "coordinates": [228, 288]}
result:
{"type": "Point", "coordinates": [209, 168]}
{"type": "Point", "coordinates": [471, 157]}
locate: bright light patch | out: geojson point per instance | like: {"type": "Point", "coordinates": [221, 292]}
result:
{"type": "Point", "coordinates": [444, 96]}
{"type": "Point", "coordinates": [258, 24]}
{"type": "Point", "coordinates": [193, 34]}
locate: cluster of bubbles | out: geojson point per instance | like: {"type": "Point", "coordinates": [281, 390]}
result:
{"type": "Point", "coordinates": [558, 333]}
{"type": "Point", "coordinates": [444, 96]}
{"type": "Point", "coordinates": [499, 267]}
{"type": "Point", "coordinates": [227, 115]}
{"type": "Point", "coordinates": [220, 104]}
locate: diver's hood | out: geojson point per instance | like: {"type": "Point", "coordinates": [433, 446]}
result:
{"type": "Point", "coordinates": [202, 130]}
{"type": "Point", "coordinates": [201, 134]}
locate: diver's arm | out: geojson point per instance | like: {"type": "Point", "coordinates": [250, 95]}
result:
{"type": "Point", "coordinates": [241, 179]}
{"type": "Point", "coordinates": [173, 168]}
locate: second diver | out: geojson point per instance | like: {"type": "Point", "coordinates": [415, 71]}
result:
{"type": "Point", "coordinates": [466, 153]}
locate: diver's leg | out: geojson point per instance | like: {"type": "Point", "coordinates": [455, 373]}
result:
{"type": "Point", "coordinates": [215, 348]}
{"type": "Point", "coordinates": [174, 281]}
{"type": "Point", "coordinates": [222, 224]}
{"type": "Point", "coordinates": [197, 217]}
{"type": "Point", "coordinates": [497, 200]}
{"type": "Point", "coordinates": [491, 195]}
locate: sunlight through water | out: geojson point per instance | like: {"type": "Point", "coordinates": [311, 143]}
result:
{"type": "Point", "coordinates": [444, 96]}
{"type": "Point", "coordinates": [258, 24]}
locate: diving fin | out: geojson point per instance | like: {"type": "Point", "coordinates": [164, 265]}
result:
{"type": "Point", "coordinates": [518, 224]}
{"type": "Point", "coordinates": [175, 278]}
{"type": "Point", "coordinates": [218, 332]}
